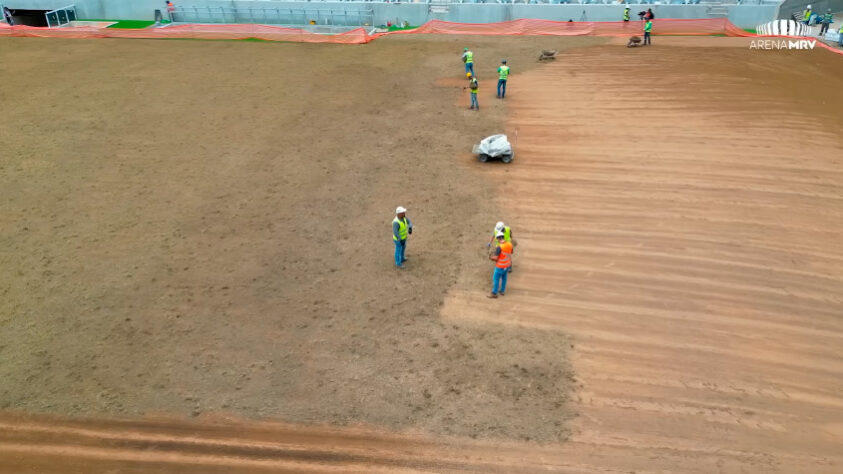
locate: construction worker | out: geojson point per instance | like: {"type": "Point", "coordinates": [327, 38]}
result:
{"type": "Point", "coordinates": [507, 236]}
{"type": "Point", "coordinates": [171, 10]}
{"type": "Point", "coordinates": [626, 13]}
{"type": "Point", "coordinates": [472, 86]}
{"type": "Point", "coordinates": [840, 36]}
{"type": "Point", "coordinates": [827, 19]}
{"type": "Point", "coordinates": [648, 27]}
{"type": "Point", "coordinates": [503, 75]}
{"type": "Point", "coordinates": [401, 228]}
{"type": "Point", "coordinates": [503, 260]}
{"type": "Point", "coordinates": [500, 227]}
{"type": "Point", "coordinates": [468, 59]}
{"type": "Point", "coordinates": [806, 15]}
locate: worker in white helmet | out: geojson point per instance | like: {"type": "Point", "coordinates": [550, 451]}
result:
{"type": "Point", "coordinates": [503, 261]}
{"type": "Point", "coordinates": [806, 15]}
{"type": "Point", "coordinates": [401, 228]}
{"type": "Point", "coordinates": [500, 227]}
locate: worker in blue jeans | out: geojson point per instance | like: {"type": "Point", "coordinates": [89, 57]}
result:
{"type": "Point", "coordinates": [503, 75]}
{"type": "Point", "coordinates": [468, 59]}
{"type": "Point", "coordinates": [503, 260]}
{"type": "Point", "coordinates": [401, 228]}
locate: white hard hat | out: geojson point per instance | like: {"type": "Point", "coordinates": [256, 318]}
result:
{"type": "Point", "coordinates": [399, 210]}
{"type": "Point", "coordinates": [499, 226]}
{"type": "Point", "coordinates": [809, 7]}
{"type": "Point", "coordinates": [499, 235]}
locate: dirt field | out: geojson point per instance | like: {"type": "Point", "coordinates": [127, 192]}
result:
{"type": "Point", "coordinates": [217, 250]}
{"type": "Point", "coordinates": [196, 227]}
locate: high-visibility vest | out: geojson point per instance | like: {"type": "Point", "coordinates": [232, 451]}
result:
{"type": "Point", "coordinates": [503, 72]}
{"type": "Point", "coordinates": [505, 257]}
{"type": "Point", "coordinates": [473, 86]}
{"type": "Point", "coordinates": [507, 234]}
{"type": "Point", "coordinates": [626, 14]}
{"type": "Point", "coordinates": [840, 30]}
{"type": "Point", "coordinates": [807, 15]}
{"type": "Point", "coordinates": [469, 57]}
{"type": "Point", "coordinates": [648, 27]}
{"type": "Point", "coordinates": [402, 228]}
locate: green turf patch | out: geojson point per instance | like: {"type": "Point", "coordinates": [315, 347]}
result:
{"type": "Point", "coordinates": [130, 24]}
{"type": "Point", "coordinates": [401, 28]}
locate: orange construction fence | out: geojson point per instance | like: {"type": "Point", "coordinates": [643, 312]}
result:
{"type": "Point", "coordinates": [531, 27]}
{"type": "Point", "coordinates": [192, 31]}
{"type": "Point", "coordinates": [525, 27]}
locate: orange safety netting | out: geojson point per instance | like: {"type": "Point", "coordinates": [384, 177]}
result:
{"type": "Point", "coordinates": [525, 27]}
{"type": "Point", "coordinates": [192, 31]}
{"type": "Point", "coordinates": [532, 27]}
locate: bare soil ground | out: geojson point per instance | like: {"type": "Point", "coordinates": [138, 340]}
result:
{"type": "Point", "coordinates": [679, 227]}
{"type": "Point", "coordinates": [193, 227]}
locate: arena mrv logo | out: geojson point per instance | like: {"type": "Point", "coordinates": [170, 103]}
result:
{"type": "Point", "coordinates": [784, 28]}
{"type": "Point", "coordinates": [782, 44]}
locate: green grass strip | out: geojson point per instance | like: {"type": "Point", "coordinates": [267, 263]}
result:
{"type": "Point", "coordinates": [130, 24]}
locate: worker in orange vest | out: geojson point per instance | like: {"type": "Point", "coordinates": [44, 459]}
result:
{"type": "Point", "coordinates": [503, 260]}
{"type": "Point", "coordinates": [171, 10]}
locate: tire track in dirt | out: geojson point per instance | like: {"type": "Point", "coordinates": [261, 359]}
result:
{"type": "Point", "coordinates": [677, 229]}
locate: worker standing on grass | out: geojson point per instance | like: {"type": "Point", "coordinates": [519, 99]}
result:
{"type": "Point", "coordinates": [472, 86]}
{"type": "Point", "coordinates": [503, 260]}
{"type": "Point", "coordinates": [401, 228]}
{"type": "Point", "coordinates": [503, 75]}
{"type": "Point", "coordinates": [648, 27]}
{"type": "Point", "coordinates": [468, 59]}
{"type": "Point", "coordinates": [827, 19]}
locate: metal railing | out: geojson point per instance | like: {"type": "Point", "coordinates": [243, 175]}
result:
{"type": "Point", "coordinates": [61, 16]}
{"type": "Point", "coordinates": [275, 16]}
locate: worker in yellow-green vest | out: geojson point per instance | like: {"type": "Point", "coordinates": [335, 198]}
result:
{"type": "Point", "coordinates": [503, 75]}
{"type": "Point", "coordinates": [468, 59]}
{"type": "Point", "coordinates": [401, 228]}
{"type": "Point", "coordinates": [827, 19]}
{"type": "Point", "coordinates": [806, 15]}
{"type": "Point", "coordinates": [648, 27]}
{"type": "Point", "coordinates": [626, 13]}
{"type": "Point", "coordinates": [840, 36]}
{"type": "Point", "coordinates": [500, 227]}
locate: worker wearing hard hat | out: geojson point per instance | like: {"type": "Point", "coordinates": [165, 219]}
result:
{"type": "Point", "coordinates": [500, 227]}
{"type": "Point", "coordinates": [840, 36]}
{"type": "Point", "coordinates": [626, 13]}
{"type": "Point", "coordinates": [826, 20]}
{"type": "Point", "coordinates": [507, 237]}
{"type": "Point", "coordinates": [401, 228]}
{"type": "Point", "coordinates": [503, 261]}
{"type": "Point", "coordinates": [468, 59]}
{"type": "Point", "coordinates": [806, 15]}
